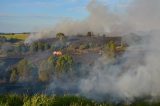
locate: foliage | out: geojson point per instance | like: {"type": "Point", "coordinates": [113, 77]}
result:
{"type": "Point", "coordinates": [60, 36]}
{"type": "Point", "coordinates": [55, 65]}
{"type": "Point", "coordinates": [39, 46]}
{"type": "Point", "coordinates": [111, 49]}
{"type": "Point", "coordinates": [38, 100]}
{"type": "Point", "coordinates": [11, 100]}
{"type": "Point", "coordinates": [67, 100]}
{"type": "Point", "coordinates": [23, 71]}
{"type": "Point", "coordinates": [64, 63]}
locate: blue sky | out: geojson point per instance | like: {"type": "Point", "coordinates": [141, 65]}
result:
{"type": "Point", "coordinates": [30, 15]}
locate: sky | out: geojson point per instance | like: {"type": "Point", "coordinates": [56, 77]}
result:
{"type": "Point", "coordinates": [31, 15]}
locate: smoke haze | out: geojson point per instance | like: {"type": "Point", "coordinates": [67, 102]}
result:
{"type": "Point", "coordinates": [138, 73]}
{"type": "Point", "coordinates": [100, 21]}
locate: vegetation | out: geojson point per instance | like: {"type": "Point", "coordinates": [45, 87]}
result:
{"type": "Point", "coordinates": [55, 66]}
{"type": "Point", "coordinates": [23, 71]}
{"type": "Point", "coordinates": [46, 70]}
{"type": "Point", "coordinates": [60, 36]}
{"type": "Point", "coordinates": [44, 100]}
{"type": "Point", "coordinates": [64, 63]}
{"type": "Point", "coordinates": [42, 70]}
{"type": "Point", "coordinates": [111, 49]}
{"type": "Point", "coordinates": [39, 46]}
{"type": "Point", "coordinates": [15, 36]}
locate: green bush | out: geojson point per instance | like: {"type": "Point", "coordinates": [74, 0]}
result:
{"type": "Point", "coordinates": [64, 63]}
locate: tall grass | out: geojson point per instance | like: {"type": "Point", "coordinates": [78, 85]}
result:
{"type": "Point", "coordinates": [44, 100]}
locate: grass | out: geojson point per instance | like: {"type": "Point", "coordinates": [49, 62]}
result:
{"type": "Point", "coordinates": [16, 36]}
{"type": "Point", "coordinates": [44, 100]}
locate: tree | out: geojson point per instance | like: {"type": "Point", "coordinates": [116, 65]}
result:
{"type": "Point", "coordinates": [60, 36]}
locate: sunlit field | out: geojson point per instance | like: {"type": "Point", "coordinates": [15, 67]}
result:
{"type": "Point", "coordinates": [16, 36]}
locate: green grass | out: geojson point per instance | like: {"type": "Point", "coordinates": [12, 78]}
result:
{"type": "Point", "coordinates": [43, 100]}
{"type": "Point", "coordinates": [16, 36]}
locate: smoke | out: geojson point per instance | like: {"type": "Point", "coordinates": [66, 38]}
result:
{"type": "Point", "coordinates": [144, 15]}
{"type": "Point", "coordinates": [100, 21]}
{"type": "Point", "coordinates": [137, 74]}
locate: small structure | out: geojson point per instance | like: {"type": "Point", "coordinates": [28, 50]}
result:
{"type": "Point", "coordinates": [57, 53]}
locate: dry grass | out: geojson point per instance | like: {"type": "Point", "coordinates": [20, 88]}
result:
{"type": "Point", "coordinates": [17, 36]}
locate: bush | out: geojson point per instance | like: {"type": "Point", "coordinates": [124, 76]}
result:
{"type": "Point", "coordinates": [23, 71]}
{"type": "Point", "coordinates": [60, 36]}
{"type": "Point", "coordinates": [64, 63]}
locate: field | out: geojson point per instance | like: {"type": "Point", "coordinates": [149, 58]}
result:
{"type": "Point", "coordinates": [16, 36]}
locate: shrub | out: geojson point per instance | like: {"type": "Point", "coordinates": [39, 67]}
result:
{"type": "Point", "coordinates": [64, 63]}
{"type": "Point", "coordinates": [23, 71]}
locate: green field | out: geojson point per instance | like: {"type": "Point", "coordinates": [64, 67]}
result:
{"type": "Point", "coordinates": [16, 36]}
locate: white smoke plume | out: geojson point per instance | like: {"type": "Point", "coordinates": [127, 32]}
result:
{"type": "Point", "coordinates": [138, 73]}
{"type": "Point", "coordinates": [100, 21]}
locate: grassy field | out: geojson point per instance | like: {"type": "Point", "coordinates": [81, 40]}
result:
{"type": "Point", "coordinates": [17, 36]}
{"type": "Point", "coordinates": [43, 100]}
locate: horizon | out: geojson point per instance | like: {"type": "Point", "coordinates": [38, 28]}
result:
{"type": "Point", "coordinates": [20, 16]}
